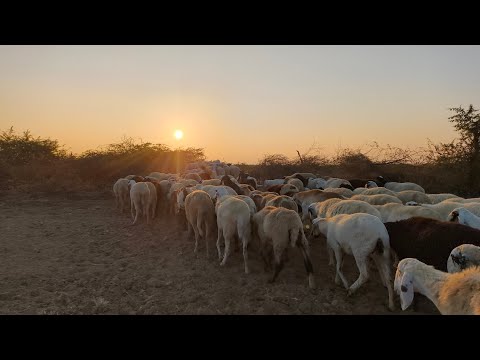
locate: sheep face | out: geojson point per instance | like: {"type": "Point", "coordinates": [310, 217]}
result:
{"type": "Point", "coordinates": [403, 286]}
{"type": "Point", "coordinates": [454, 216]}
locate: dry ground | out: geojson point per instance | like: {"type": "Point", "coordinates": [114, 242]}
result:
{"type": "Point", "coordinates": [76, 254]}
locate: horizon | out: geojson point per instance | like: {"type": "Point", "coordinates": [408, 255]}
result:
{"type": "Point", "coordinates": [225, 99]}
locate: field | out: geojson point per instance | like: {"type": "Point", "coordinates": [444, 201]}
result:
{"type": "Point", "coordinates": [76, 254]}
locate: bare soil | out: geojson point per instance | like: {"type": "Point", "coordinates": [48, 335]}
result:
{"type": "Point", "coordinates": [77, 254]}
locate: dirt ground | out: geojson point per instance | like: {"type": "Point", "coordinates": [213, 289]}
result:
{"type": "Point", "coordinates": [76, 254]}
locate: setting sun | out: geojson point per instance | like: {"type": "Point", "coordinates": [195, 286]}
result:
{"type": "Point", "coordinates": [178, 134]}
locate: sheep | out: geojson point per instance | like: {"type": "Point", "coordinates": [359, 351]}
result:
{"type": "Point", "coordinates": [319, 209]}
{"type": "Point", "coordinates": [336, 183]}
{"type": "Point", "coordinates": [246, 189]}
{"type": "Point", "coordinates": [371, 185]}
{"type": "Point", "coordinates": [232, 170]}
{"type": "Point", "coordinates": [463, 216]}
{"type": "Point", "coordinates": [276, 229]}
{"type": "Point", "coordinates": [268, 183]}
{"type": "Point", "coordinates": [396, 212]}
{"type": "Point", "coordinates": [342, 191]}
{"type": "Point", "coordinates": [411, 195]}
{"type": "Point", "coordinates": [359, 191]}
{"type": "Point", "coordinates": [378, 191]}
{"type": "Point", "coordinates": [260, 199]}
{"type": "Point", "coordinates": [297, 183]}
{"type": "Point", "coordinates": [437, 198]}
{"type": "Point", "coordinates": [244, 178]}
{"type": "Point", "coordinates": [282, 201]}
{"type": "Point", "coordinates": [463, 257]}
{"type": "Point", "coordinates": [121, 191]}
{"type": "Point", "coordinates": [295, 177]}
{"type": "Point", "coordinates": [380, 199]}
{"type": "Point", "coordinates": [429, 240]}
{"type": "Point", "coordinates": [161, 176]}
{"type": "Point", "coordinates": [286, 189]}
{"type": "Point", "coordinates": [233, 218]}
{"type": "Point", "coordinates": [247, 199]}
{"type": "Point", "coordinates": [215, 182]}
{"type": "Point", "coordinates": [226, 180]}
{"type": "Point", "coordinates": [316, 183]}
{"type": "Point", "coordinates": [351, 207]}
{"type": "Point", "coordinates": [401, 186]}
{"type": "Point", "coordinates": [200, 215]}
{"type": "Point", "coordinates": [361, 183]}
{"type": "Point", "coordinates": [443, 208]}
{"type": "Point", "coordinates": [188, 182]}
{"type": "Point", "coordinates": [217, 191]}
{"type": "Point", "coordinates": [462, 200]}
{"type": "Point", "coordinates": [305, 198]}
{"type": "Point", "coordinates": [139, 200]}
{"type": "Point", "coordinates": [452, 294]}
{"type": "Point", "coordinates": [363, 236]}
{"type": "Point", "coordinates": [135, 178]}
{"type": "Point", "coordinates": [193, 176]}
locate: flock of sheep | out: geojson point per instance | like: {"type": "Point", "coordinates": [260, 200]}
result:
{"type": "Point", "coordinates": [432, 241]}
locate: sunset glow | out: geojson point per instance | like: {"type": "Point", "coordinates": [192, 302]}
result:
{"type": "Point", "coordinates": [238, 103]}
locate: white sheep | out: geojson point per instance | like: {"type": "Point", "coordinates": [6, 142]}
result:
{"type": "Point", "coordinates": [336, 183]}
{"type": "Point", "coordinates": [412, 195]}
{"type": "Point", "coordinates": [139, 200]}
{"type": "Point", "coordinates": [247, 199]}
{"type": "Point", "coordinates": [465, 217]}
{"type": "Point", "coordinates": [452, 294]}
{"type": "Point", "coordinates": [437, 198]}
{"type": "Point", "coordinates": [398, 186]}
{"type": "Point", "coordinates": [320, 209]}
{"type": "Point", "coordinates": [233, 219]}
{"type": "Point", "coordinates": [282, 201]}
{"type": "Point", "coordinates": [200, 214]}
{"type": "Point", "coordinates": [396, 212]}
{"type": "Point", "coordinates": [363, 236]}
{"type": "Point", "coordinates": [278, 229]}
{"type": "Point", "coordinates": [463, 257]}
{"type": "Point", "coordinates": [214, 182]}
{"type": "Point", "coordinates": [297, 183]}
{"type": "Point", "coordinates": [377, 191]}
{"type": "Point", "coordinates": [121, 191]}
{"type": "Point", "coordinates": [380, 199]}
{"type": "Point", "coordinates": [351, 207]}
{"type": "Point", "coordinates": [305, 198]}
{"type": "Point", "coordinates": [341, 191]}
{"type": "Point", "coordinates": [359, 191]}
{"type": "Point", "coordinates": [268, 183]}
{"type": "Point", "coordinates": [371, 184]}
{"type": "Point", "coordinates": [316, 183]}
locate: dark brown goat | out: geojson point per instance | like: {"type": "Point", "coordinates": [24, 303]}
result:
{"type": "Point", "coordinates": [429, 240]}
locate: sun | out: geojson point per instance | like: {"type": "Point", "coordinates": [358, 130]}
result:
{"type": "Point", "coordinates": [178, 134]}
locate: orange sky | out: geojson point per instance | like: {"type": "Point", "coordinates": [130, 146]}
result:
{"type": "Point", "coordinates": [237, 102]}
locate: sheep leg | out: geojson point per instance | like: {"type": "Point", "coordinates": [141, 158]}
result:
{"type": "Point", "coordinates": [132, 210]}
{"type": "Point", "coordinates": [245, 256]}
{"type": "Point", "coordinates": [383, 265]}
{"type": "Point", "coordinates": [330, 256]}
{"type": "Point", "coordinates": [190, 230]}
{"type": "Point", "coordinates": [147, 210]}
{"type": "Point", "coordinates": [266, 256]}
{"type": "Point", "coordinates": [362, 278]}
{"type": "Point", "coordinates": [339, 259]}
{"type": "Point", "coordinates": [308, 264]}
{"type": "Point", "coordinates": [377, 260]}
{"type": "Point", "coordinates": [278, 266]}
{"type": "Point", "coordinates": [219, 237]}
{"type": "Point", "coordinates": [228, 240]}
{"type": "Point", "coordinates": [197, 236]}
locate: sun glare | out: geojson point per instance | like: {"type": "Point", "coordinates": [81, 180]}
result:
{"type": "Point", "coordinates": [178, 134]}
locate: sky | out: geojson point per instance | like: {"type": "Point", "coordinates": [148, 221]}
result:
{"type": "Point", "coordinates": [239, 103]}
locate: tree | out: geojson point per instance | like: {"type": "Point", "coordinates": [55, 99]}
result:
{"type": "Point", "coordinates": [461, 155]}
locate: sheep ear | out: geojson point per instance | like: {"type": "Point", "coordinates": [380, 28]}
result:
{"type": "Point", "coordinates": [406, 290]}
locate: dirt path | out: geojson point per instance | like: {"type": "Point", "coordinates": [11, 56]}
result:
{"type": "Point", "coordinates": [79, 256]}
